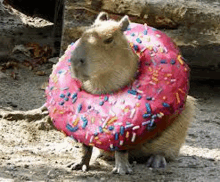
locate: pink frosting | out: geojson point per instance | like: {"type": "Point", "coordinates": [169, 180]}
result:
{"type": "Point", "coordinates": [134, 114]}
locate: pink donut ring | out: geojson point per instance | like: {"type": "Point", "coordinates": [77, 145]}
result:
{"type": "Point", "coordinates": [132, 115]}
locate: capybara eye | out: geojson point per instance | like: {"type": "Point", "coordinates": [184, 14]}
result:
{"type": "Point", "coordinates": [82, 61]}
{"type": "Point", "coordinates": [108, 40]}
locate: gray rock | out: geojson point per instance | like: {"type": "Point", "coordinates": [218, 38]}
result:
{"type": "Point", "coordinates": [194, 26]}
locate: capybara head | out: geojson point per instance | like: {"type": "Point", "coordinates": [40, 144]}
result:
{"type": "Point", "coordinates": [103, 60]}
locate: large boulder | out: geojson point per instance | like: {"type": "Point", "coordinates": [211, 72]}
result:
{"type": "Point", "coordinates": [194, 26]}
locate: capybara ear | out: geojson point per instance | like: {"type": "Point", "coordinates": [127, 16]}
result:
{"type": "Point", "coordinates": [103, 16]}
{"type": "Point", "coordinates": [124, 22]}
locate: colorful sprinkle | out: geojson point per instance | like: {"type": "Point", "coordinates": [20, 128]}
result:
{"type": "Point", "coordinates": [135, 127]}
{"type": "Point", "coordinates": [66, 98]}
{"type": "Point", "coordinates": [91, 139]}
{"type": "Point", "coordinates": [145, 32]}
{"type": "Point", "coordinates": [111, 146]}
{"type": "Point", "coordinates": [116, 136]}
{"type": "Point", "coordinates": [172, 62]}
{"type": "Point", "coordinates": [76, 121]}
{"type": "Point", "coordinates": [163, 61]}
{"type": "Point", "coordinates": [151, 125]}
{"type": "Point", "coordinates": [72, 129]}
{"type": "Point", "coordinates": [133, 137]}
{"type": "Point", "coordinates": [135, 47]}
{"type": "Point", "coordinates": [157, 35]}
{"type": "Point", "coordinates": [139, 40]}
{"type": "Point", "coordinates": [129, 126]}
{"type": "Point", "coordinates": [149, 98]}
{"type": "Point", "coordinates": [100, 129]}
{"type": "Point", "coordinates": [180, 60]}
{"type": "Point", "coordinates": [139, 97]}
{"type": "Point", "coordinates": [74, 95]}
{"type": "Point", "coordinates": [61, 103]}
{"type": "Point", "coordinates": [111, 128]}
{"type": "Point", "coordinates": [132, 34]}
{"type": "Point", "coordinates": [127, 134]}
{"type": "Point", "coordinates": [112, 120]}
{"type": "Point", "coordinates": [133, 92]}
{"type": "Point", "coordinates": [121, 142]}
{"type": "Point", "coordinates": [177, 98]}
{"type": "Point", "coordinates": [148, 107]}
{"type": "Point", "coordinates": [145, 123]}
{"type": "Point", "coordinates": [79, 108]}
{"type": "Point", "coordinates": [96, 133]}
{"type": "Point", "coordinates": [165, 104]}
{"type": "Point", "coordinates": [122, 130]}
{"type": "Point", "coordinates": [89, 107]}
{"type": "Point", "coordinates": [62, 95]}
{"type": "Point", "coordinates": [146, 115]}
{"type": "Point", "coordinates": [68, 94]}
{"type": "Point", "coordinates": [106, 98]}
{"type": "Point", "coordinates": [74, 100]}
{"type": "Point", "coordinates": [101, 103]}
{"type": "Point", "coordinates": [132, 113]}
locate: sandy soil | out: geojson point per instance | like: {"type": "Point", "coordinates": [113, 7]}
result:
{"type": "Point", "coordinates": [31, 150]}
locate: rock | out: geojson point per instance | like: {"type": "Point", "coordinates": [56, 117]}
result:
{"type": "Point", "coordinates": [194, 26]}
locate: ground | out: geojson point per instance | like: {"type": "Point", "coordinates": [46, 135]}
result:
{"type": "Point", "coordinates": [31, 150]}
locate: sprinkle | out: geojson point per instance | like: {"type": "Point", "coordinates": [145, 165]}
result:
{"type": "Point", "coordinates": [165, 49]}
{"type": "Point", "coordinates": [157, 35]}
{"type": "Point", "coordinates": [132, 34]}
{"type": "Point", "coordinates": [86, 135]}
{"type": "Point", "coordinates": [146, 115]}
{"type": "Point", "coordinates": [122, 130]}
{"type": "Point", "coordinates": [100, 129]}
{"type": "Point", "coordinates": [106, 98]}
{"type": "Point", "coordinates": [155, 49]}
{"type": "Point", "coordinates": [135, 47]}
{"type": "Point", "coordinates": [101, 103]}
{"type": "Point", "coordinates": [177, 98]}
{"type": "Point", "coordinates": [145, 123]}
{"type": "Point", "coordinates": [91, 144]}
{"type": "Point", "coordinates": [139, 91]}
{"type": "Point", "coordinates": [72, 129]}
{"type": "Point", "coordinates": [139, 97]}
{"type": "Point", "coordinates": [68, 94]}
{"type": "Point", "coordinates": [148, 39]}
{"type": "Point", "coordinates": [111, 112]}
{"type": "Point", "coordinates": [160, 115]}
{"type": "Point", "coordinates": [79, 108]}
{"type": "Point", "coordinates": [127, 134]}
{"type": "Point", "coordinates": [121, 142]}
{"type": "Point", "coordinates": [84, 124]}
{"type": "Point", "coordinates": [74, 95]}
{"type": "Point", "coordinates": [111, 146]}
{"type": "Point", "coordinates": [154, 116]}
{"type": "Point", "coordinates": [112, 120]}
{"type": "Point", "coordinates": [111, 128]}
{"type": "Point", "coordinates": [74, 100]}
{"type": "Point", "coordinates": [93, 120]}
{"type": "Point", "coordinates": [155, 79]}
{"type": "Point", "coordinates": [138, 104]}
{"type": "Point", "coordinates": [172, 62]}
{"type": "Point", "coordinates": [172, 80]}
{"type": "Point", "coordinates": [133, 137]}
{"type": "Point", "coordinates": [62, 95]}
{"type": "Point", "coordinates": [164, 97]}
{"type": "Point", "coordinates": [116, 136]}
{"type": "Point", "coordinates": [152, 83]}
{"type": "Point", "coordinates": [151, 125]}
{"type": "Point", "coordinates": [96, 133]}
{"type": "Point", "coordinates": [133, 92]}
{"type": "Point", "coordinates": [148, 108]}
{"type": "Point", "coordinates": [91, 139]}
{"type": "Point", "coordinates": [163, 61]}
{"type": "Point", "coordinates": [165, 104]}
{"type": "Point", "coordinates": [135, 127]}
{"type": "Point", "coordinates": [105, 121]}
{"type": "Point", "coordinates": [181, 91]}
{"type": "Point", "coordinates": [72, 43]}
{"type": "Point", "coordinates": [145, 32]}
{"type": "Point", "coordinates": [61, 103]}
{"type": "Point", "coordinates": [89, 107]}
{"type": "Point", "coordinates": [149, 98]}
{"type": "Point", "coordinates": [139, 40]}
{"type": "Point", "coordinates": [180, 60]}
{"type": "Point", "coordinates": [132, 113]}
{"type": "Point", "coordinates": [129, 126]}
{"type": "Point", "coordinates": [66, 98]}
{"type": "Point", "coordinates": [76, 121]}
{"type": "Point", "coordinates": [64, 88]}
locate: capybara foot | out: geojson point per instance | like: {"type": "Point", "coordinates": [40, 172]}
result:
{"type": "Point", "coordinates": [122, 165]}
{"type": "Point", "coordinates": [156, 161]}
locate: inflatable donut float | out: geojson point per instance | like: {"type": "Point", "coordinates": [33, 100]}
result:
{"type": "Point", "coordinates": [138, 112]}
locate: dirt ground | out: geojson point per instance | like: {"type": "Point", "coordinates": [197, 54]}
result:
{"type": "Point", "coordinates": [31, 150]}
